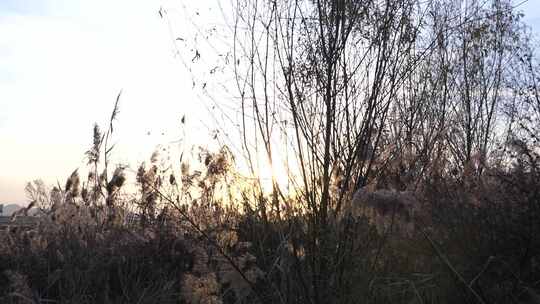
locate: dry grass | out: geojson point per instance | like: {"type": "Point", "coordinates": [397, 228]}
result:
{"type": "Point", "coordinates": [203, 234]}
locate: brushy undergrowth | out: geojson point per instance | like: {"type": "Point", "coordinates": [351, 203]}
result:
{"type": "Point", "coordinates": [205, 234]}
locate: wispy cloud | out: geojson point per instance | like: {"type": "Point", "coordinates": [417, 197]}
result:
{"type": "Point", "coordinates": [23, 7]}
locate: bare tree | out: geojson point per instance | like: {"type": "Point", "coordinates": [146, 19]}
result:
{"type": "Point", "coordinates": [323, 74]}
{"type": "Point", "coordinates": [342, 94]}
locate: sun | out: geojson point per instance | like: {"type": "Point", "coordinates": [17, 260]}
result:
{"type": "Point", "coordinates": [279, 171]}
{"type": "Point", "coordinates": [268, 174]}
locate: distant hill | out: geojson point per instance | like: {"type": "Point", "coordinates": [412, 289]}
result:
{"type": "Point", "coordinates": [9, 209]}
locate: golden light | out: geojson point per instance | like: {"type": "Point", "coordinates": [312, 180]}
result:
{"type": "Point", "coordinates": [279, 171]}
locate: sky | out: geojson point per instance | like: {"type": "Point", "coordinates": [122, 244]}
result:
{"type": "Point", "coordinates": [62, 64]}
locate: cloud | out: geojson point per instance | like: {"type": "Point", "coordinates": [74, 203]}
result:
{"type": "Point", "coordinates": [23, 7]}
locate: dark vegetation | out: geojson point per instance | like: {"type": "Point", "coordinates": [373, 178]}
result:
{"type": "Point", "coordinates": [431, 108]}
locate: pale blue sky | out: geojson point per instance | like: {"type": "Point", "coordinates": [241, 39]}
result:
{"type": "Point", "coordinates": [62, 63]}
{"type": "Point", "coordinates": [531, 8]}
